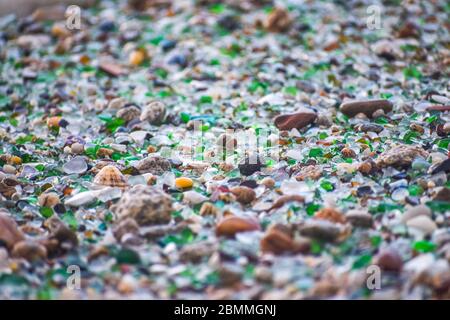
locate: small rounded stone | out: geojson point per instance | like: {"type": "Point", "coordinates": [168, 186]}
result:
{"type": "Point", "coordinates": [77, 148]}
{"type": "Point", "coordinates": [365, 167]}
{"type": "Point", "coordinates": [29, 250]}
{"type": "Point", "coordinates": [348, 153]}
{"type": "Point", "coordinates": [268, 182]}
{"type": "Point", "coordinates": [151, 149]}
{"type": "Point", "coordinates": [7, 168]}
{"type": "Point", "coordinates": [389, 260]}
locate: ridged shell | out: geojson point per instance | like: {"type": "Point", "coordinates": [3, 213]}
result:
{"type": "Point", "coordinates": [110, 176]}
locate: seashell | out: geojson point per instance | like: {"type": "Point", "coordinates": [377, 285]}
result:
{"type": "Point", "coordinates": [110, 176]}
{"type": "Point", "coordinates": [244, 195]}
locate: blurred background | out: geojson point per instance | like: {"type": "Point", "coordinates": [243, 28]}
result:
{"type": "Point", "coordinates": [24, 7]}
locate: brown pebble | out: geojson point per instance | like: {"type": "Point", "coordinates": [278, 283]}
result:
{"type": "Point", "coordinates": [365, 167]}
{"type": "Point", "coordinates": [312, 172]}
{"type": "Point", "coordinates": [281, 201]}
{"type": "Point", "coordinates": [278, 240]}
{"type": "Point", "coordinates": [231, 225]}
{"type": "Point", "coordinates": [360, 218]}
{"type": "Point", "coordinates": [443, 194]}
{"type": "Point", "coordinates": [438, 108]}
{"type": "Point", "coordinates": [10, 234]}
{"type": "Point", "coordinates": [352, 108]}
{"type": "Point", "coordinates": [400, 156]}
{"type": "Point", "coordinates": [389, 260]}
{"type": "Point", "coordinates": [29, 250]}
{"type": "Point", "coordinates": [278, 20]}
{"type": "Point", "coordinates": [330, 214]}
{"type": "Point", "coordinates": [104, 152]}
{"type": "Point", "coordinates": [296, 120]}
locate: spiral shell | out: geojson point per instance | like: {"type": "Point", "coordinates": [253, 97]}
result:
{"type": "Point", "coordinates": [110, 176]}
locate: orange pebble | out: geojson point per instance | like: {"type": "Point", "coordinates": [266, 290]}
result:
{"type": "Point", "coordinates": [183, 183]}
{"type": "Point", "coordinates": [53, 122]}
{"type": "Point", "coordinates": [136, 57]}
